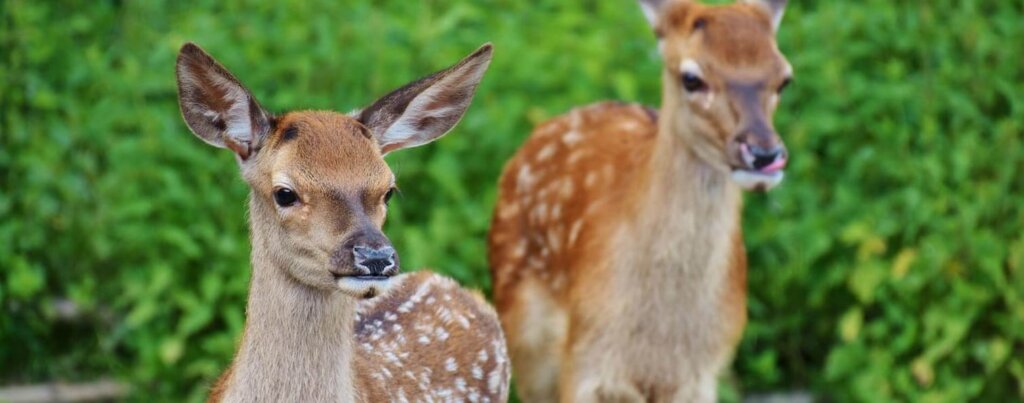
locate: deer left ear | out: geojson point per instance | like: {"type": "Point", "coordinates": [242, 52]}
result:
{"type": "Point", "coordinates": [775, 8]}
{"type": "Point", "coordinates": [426, 109]}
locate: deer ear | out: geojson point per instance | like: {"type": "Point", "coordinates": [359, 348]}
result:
{"type": "Point", "coordinates": [426, 109]}
{"type": "Point", "coordinates": [775, 8]}
{"type": "Point", "coordinates": [652, 10]}
{"type": "Point", "coordinates": [216, 107]}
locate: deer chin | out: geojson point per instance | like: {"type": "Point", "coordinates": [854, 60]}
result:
{"type": "Point", "coordinates": [757, 181]}
{"type": "Point", "coordinates": [365, 287]}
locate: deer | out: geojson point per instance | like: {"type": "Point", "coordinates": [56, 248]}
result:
{"type": "Point", "coordinates": [329, 317]}
{"type": "Point", "coordinates": [616, 248]}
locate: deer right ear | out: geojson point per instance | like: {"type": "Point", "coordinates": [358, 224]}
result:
{"type": "Point", "coordinates": [216, 107]}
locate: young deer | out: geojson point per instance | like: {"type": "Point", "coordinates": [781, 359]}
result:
{"type": "Point", "coordinates": [618, 262]}
{"type": "Point", "coordinates": [328, 317]}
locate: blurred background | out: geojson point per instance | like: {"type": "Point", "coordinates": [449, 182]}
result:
{"type": "Point", "coordinates": [888, 267]}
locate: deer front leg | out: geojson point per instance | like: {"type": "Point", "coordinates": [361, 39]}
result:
{"type": "Point", "coordinates": [591, 377]}
{"type": "Point", "coordinates": [604, 391]}
{"type": "Point", "coordinates": [703, 389]}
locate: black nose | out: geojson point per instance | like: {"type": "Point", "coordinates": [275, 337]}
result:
{"type": "Point", "coordinates": [375, 261]}
{"type": "Point", "coordinates": [766, 157]}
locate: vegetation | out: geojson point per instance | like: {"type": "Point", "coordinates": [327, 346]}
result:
{"type": "Point", "coordinates": [888, 267]}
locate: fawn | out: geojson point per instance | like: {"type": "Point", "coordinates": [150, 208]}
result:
{"type": "Point", "coordinates": [616, 247]}
{"type": "Point", "coordinates": [328, 316]}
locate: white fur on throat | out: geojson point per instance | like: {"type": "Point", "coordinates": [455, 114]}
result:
{"type": "Point", "coordinates": [749, 180]}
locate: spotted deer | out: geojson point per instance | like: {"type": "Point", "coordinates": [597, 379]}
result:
{"type": "Point", "coordinates": [616, 248]}
{"type": "Point", "coordinates": [328, 316]}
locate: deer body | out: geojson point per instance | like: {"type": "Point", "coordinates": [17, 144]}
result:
{"type": "Point", "coordinates": [399, 346]}
{"type": "Point", "coordinates": [616, 248]}
{"type": "Point", "coordinates": [328, 317]}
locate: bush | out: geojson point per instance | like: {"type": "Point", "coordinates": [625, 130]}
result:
{"type": "Point", "coordinates": [890, 265]}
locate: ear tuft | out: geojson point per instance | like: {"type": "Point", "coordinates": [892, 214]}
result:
{"type": "Point", "coordinates": [426, 109]}
{"type": "Point", "coordinates": [216, 107]}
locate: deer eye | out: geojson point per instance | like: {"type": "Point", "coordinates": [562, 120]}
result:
{"type": "Point", "coordinates": [692, 83]}
{"type": "Point", "coordinates": [785, 83]}
{"type": "Point", "coordinates": [285, 197]}
{"type": "Point", "coordinates": [388, 195]}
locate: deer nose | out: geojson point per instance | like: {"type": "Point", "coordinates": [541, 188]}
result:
{"type": "Point", "coordinates": [375, 261]}
{"type": "Point", "coordinates": [767, 160]}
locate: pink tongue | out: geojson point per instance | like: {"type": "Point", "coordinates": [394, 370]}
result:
{"type": "Point", "coordinates": [775, 166]}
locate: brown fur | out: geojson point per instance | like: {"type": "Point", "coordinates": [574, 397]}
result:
{"type": "Point", "coordinates": [310, 332]}
{"type": "Point", "coordinates": [616, 249]}
{"type": "Point", "coordinates": [443, 322]}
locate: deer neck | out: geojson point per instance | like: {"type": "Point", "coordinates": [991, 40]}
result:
{"type": "Point", "coordinates": [688, 211]}
{"type": "Point", "coordinates": [297, 344]}
{"type": "Point", "coordinates": [686, 166]}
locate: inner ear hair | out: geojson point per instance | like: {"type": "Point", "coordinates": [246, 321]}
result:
{"type": "Point", "coordinates": [426, 109]}
{"type": "Point", "coordinates": [216, 106]}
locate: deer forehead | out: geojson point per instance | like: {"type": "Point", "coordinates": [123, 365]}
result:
{"type": "Point", "coordinates": [328, 150]}
{"type": "Point", "coordinates": [732, 37]}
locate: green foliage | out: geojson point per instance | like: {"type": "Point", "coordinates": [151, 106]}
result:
{"type": "Point", "coordinates": [888, 267]}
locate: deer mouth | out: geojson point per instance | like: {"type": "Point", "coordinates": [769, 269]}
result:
{"type": "Point", "coordinates": [759, 173]}
{"type": "Point", "coordinates": [363, 286]}
{"type": "Point", "coordinates": [369, 278]}
{"type": "Point", "coordinates": [757, 180]}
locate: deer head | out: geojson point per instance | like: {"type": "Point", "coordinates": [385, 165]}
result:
{"type": "Point", "coordinates": [320, 186]}
{"type": "Point", "coordinates": [723, 75]}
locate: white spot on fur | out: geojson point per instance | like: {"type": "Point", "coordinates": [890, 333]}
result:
{"type": "Point", "coordinates": [493, 381]}
{"type": "Point", "coordinates": [629, 125]}
{"type": "Point", "coordinates": [520, 249]}
{"type": "Point", "coordinates": [508, 210]}
{"type": "Point", "coordinates": [525, 179]}
{"type": "Point", "coordinates": [441, 334]}
{"type": "Point", "coordinates": [547, 152]}
{"type": "Point", "coordinates": [540, 213]}
{"type": "Point", "coordinates": [554, 238]}
{"type": "Point", "coordinates": [558, 282]}
{"type": "Point", "coordinates": [576, 156]}
{"type": "Point", "coordinates": [462, 321]}
{"type": "Point", "coordinates": [572, 138]}
{"type": "Point", "coordinates": [566, 190]}
{"type": "Point", "coordinates": [451, 365]}
{"type": "Point", "coordinates": [574, 231]}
